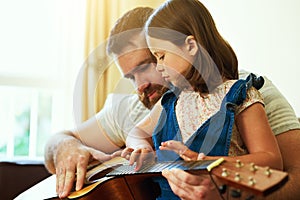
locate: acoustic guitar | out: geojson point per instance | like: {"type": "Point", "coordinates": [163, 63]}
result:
{"type": "Point", "coordinates": [117, 180]}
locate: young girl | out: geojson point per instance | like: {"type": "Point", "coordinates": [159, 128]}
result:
{"type": "Point", "coordinates": [209, 110]}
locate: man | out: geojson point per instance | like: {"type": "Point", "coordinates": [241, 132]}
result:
{"type": "Point", "coordinates": [69, 152]}
{"type": "Point", "coordinates": [65, 153]}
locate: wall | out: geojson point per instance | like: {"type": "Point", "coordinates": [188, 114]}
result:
{"type": "Point", "coordinates": [265, 37]}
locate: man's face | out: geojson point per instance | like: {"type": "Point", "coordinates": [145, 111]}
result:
{"type": "Point", "coordinates": [140, 66]}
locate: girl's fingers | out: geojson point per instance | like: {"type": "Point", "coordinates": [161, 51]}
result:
{"type": "Point", "coordinates": [126, 153]}
{"type": "Point", "coordinates": [172, 145]}
{"type": "Point", "coordinates": [134, 156]}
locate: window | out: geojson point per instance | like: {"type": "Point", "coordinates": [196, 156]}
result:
{"type": "Point", "coordinates": [27, 113]}
{"type": "Point", "coordinates": [41, 53]}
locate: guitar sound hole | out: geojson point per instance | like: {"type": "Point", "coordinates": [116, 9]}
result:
{"type": "Point", "coordinates": [102, 173]}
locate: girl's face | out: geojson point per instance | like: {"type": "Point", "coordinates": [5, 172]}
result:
{"type": "Point", "coordinates": [172, 61]}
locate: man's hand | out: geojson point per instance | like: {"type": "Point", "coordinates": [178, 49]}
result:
{"type": "Point", "coordinates": [191, 187]}
{"type": "Point", "coordinates": [71, 160]}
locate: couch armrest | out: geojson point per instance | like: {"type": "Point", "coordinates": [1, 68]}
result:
{"type": "Point", "coordinates": [18, 175]}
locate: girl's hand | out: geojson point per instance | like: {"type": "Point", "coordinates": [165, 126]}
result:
{"type": "Point", "coordinates": [138, 156]}
{"type": "Point", "coordinates": [126, 153]}
{"type": "Point", "coordinates": [183, 151]}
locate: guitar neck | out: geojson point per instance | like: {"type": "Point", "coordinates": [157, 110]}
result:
{"type": "Point", "coordinates": [249, 177]}
{"type": "Point", "coordinates": [157, 167]}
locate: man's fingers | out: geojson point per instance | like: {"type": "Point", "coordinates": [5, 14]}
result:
{"type": "Point", "coordinates": [169, 175]}
{"type": "Point", "coordinates": [69, 182]}
{"type": "Point", "coordinates": [178, 181]}
{"type": "Point", "coordinates": [80, 177]}
{"type": "Point", "coordinates": [71, 164]}
{"type": "Point", "coordinates": [68, 170]}
{"type": "Point", "coordinates": [175, 184]}
{"type": "Point", "coordinates": [60, 180]}
{"type": "Point", "coordinates": [99, 155]}
{"type": "Point", "coordinates": [180, 176]}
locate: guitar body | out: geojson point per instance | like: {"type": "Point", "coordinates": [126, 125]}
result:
{"type": "Point", "coordinates": [124, 188]}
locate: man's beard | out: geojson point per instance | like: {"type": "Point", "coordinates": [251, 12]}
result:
{"type": "Point", "coordinates": [160, 90]}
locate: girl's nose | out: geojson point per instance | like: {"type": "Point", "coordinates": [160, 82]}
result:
{"type": "Point", "coordinates": [159, 67]}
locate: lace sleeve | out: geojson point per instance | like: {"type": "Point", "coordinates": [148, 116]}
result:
{"type": "Point", "coordinates": [253, 96]}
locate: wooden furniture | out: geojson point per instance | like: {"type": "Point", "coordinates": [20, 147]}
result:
{"type": "Point", "coordinates": [17, 176]}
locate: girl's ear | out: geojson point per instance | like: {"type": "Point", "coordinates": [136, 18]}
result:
{"type": "Point", "coordinates": [191, 45]}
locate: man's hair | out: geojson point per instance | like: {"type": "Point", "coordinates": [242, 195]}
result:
{"type": "Point", "coordinates": [130, 24]}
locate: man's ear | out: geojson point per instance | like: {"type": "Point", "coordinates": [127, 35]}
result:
{"type": "Point", "coordinates": [191, 45]}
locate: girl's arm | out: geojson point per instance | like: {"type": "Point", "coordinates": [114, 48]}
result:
{"type": "Point", "coordinates": [257, 135]}
{"type": "Point", "coordinates": [139, 140]}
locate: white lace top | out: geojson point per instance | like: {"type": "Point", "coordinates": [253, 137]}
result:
{"type": "Point", "coordinates": [192, 110]}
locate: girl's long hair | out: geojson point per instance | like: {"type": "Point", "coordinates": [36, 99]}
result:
{"type": "Point", "coordinates": [216, 59]}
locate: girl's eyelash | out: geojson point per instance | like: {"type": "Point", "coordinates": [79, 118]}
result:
{"type": "Point", "coordinates": [161, 57]}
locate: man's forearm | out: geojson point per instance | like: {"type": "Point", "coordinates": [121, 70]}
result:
{"type": "Point", "coordinates": [289, 143]}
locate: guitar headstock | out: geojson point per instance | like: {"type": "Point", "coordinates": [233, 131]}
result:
{"type": "Point", "coordinates": [249, 177]}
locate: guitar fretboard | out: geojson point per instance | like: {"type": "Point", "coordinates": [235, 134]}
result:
{"type": "Point", "coordinates": [157, 167]}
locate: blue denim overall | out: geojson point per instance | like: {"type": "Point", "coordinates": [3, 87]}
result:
{"type": "Point", "coordinates": [212, 138]}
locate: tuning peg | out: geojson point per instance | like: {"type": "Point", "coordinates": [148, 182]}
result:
{"type": "Point", "coordinates": [239, 164]}
{"type": "Point", "coordinates": [237, 177]}
{"type": "Point", "coordinates": [251, 181]}
{"type": "Point", "coordinates": [224, 172]}
{"type": "Point", "coordinates": [253, 167]}
{"type": "Point", "coordinates": [268, 171]}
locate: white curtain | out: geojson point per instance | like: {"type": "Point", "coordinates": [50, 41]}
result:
{"type": "Point", "coordinates": [95, 83]}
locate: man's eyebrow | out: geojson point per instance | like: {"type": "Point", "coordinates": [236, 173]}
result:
{"type": "Point", "coordinates": [146, 61]}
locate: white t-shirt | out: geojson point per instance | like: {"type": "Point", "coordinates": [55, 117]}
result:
{"type": "Point", "coordinates": [122, 112]}
{"type": "Point", "coordinates": [281, 115]}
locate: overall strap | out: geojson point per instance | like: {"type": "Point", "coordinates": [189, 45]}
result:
{"type": "Point", "coordinates": [238, 91]}
{"type": "Point", "coordinates": [214, 136]}
{"type": "Point", "coordinates": [167, 127]}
